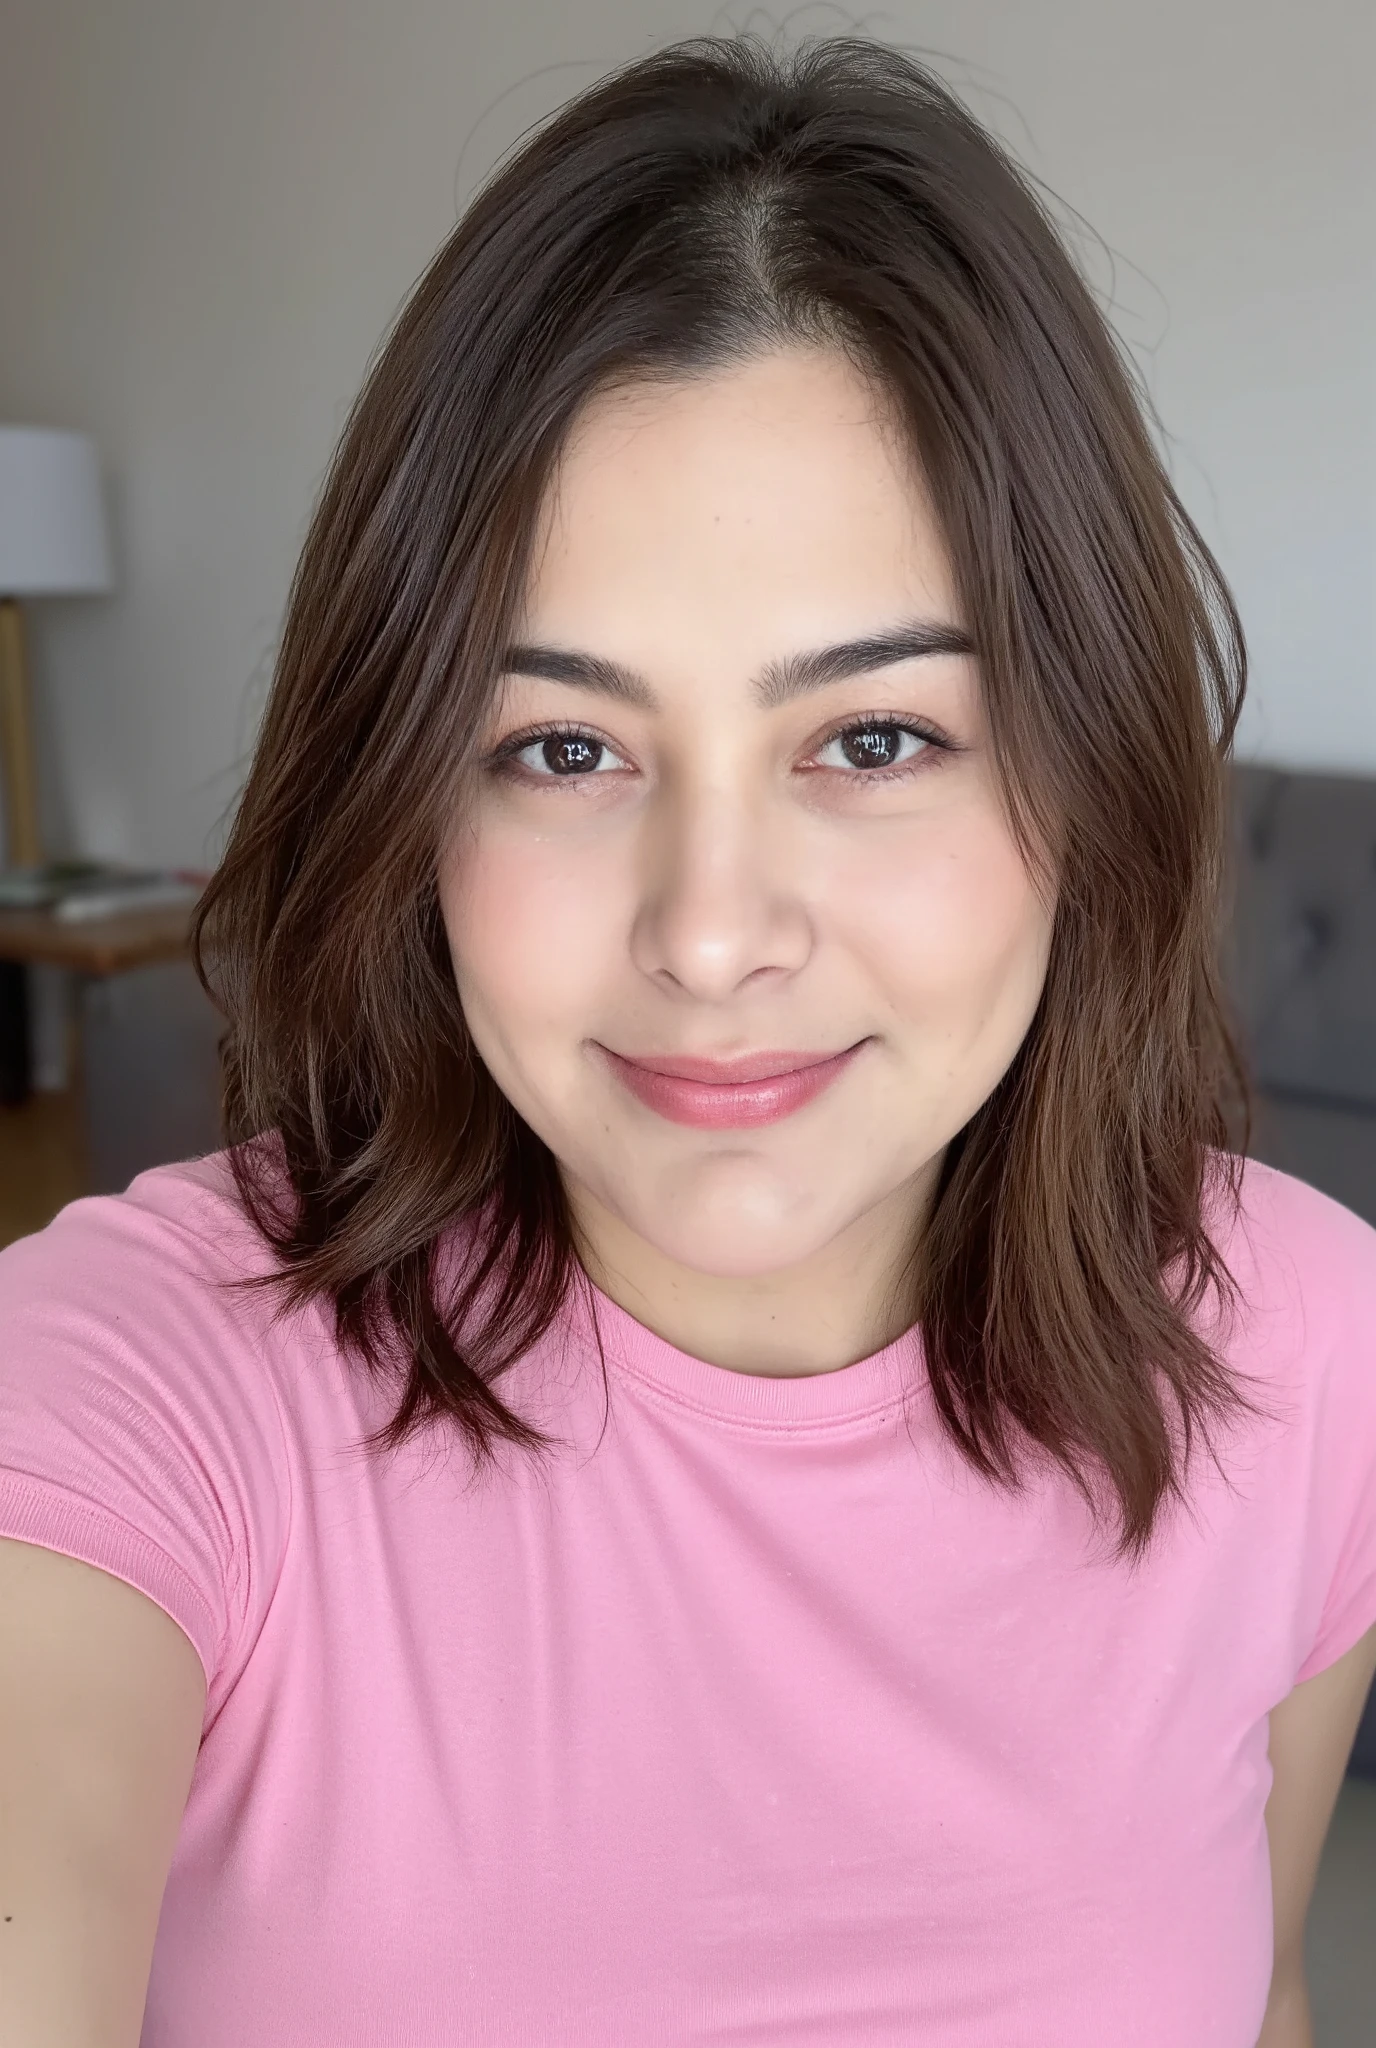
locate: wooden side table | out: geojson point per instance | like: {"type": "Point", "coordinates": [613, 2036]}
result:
{"type": "Point", "coordinates": [97, 945]}
{"type": "Point", "coordinates": [91, 948]}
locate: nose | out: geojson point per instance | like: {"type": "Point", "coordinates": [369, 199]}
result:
{"type": "Point", "coordinates": [719, 909]}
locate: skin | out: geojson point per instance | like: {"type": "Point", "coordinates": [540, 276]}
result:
{"type": "Point", "coordinates": [722, 881]}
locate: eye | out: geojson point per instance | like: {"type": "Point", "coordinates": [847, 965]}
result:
{"type": "Point", "coordinates": [564, 753]}
{"type": "Point", "coordinates": [873, 743]}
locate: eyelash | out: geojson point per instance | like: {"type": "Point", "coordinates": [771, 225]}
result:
{"type": "Point", "coordinates": [503, 760]}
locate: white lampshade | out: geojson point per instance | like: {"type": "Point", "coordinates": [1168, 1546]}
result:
{"type": "Point", "coordinates": [53, 537]}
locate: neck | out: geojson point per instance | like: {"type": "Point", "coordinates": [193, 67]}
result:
{"type": "Point", "coordinates": [848, 1300]}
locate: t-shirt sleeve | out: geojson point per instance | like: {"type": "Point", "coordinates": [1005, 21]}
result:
{"type": "Point", "coordinates": [139, 1427]}
{"type": "Point", "coordinates": [1333, 1254]}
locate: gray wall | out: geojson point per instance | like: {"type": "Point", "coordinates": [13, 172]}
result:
{"type": "Point", "coordinates": [212, 210]}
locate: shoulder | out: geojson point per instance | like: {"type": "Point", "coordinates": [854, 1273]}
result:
{"type": "Point", "coordinates": [176, 1235]}
{"type": "Point", "coordinates": [1304, 1266]}
{"type": "Point", "coordinates": [141, 1393]}
{"type": "Point", "coordinates": [153, 1312]}
{"type": "Point", "coordinates": [1300, 1335]}
{"type": "Point", "coordinates": [1303, 1346]}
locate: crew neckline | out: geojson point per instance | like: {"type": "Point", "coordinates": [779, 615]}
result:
{"type": "Point", "coordinates": [871, 1388]}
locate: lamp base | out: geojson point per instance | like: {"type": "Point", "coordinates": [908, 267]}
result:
{"type": "Point", "coordinates": [16, 742]}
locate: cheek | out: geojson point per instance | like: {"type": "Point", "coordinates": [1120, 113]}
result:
{"type": "Point", "coordinates": [535, 927]}
{"type": "Point", "coordinates": [950, 924]}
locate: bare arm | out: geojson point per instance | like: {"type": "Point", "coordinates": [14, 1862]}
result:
{"type": "Point", "coordinates": [101, 1706]}
{"type": "Point", "coordinates": [1311, 1738]}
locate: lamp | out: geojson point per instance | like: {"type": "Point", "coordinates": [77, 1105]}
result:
{"type": "Point", "coordinates": [53, 542]}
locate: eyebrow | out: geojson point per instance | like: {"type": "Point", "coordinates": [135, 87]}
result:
{"type": "Point", "coordinates": [793, 675]}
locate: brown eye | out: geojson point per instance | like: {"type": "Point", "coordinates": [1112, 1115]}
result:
{"type": "Point", "coordinates": [563, 755]}
{"type": "Point", "coordinates": [571, 754]}
{"type": "Point", "coordinates": [875, 744]}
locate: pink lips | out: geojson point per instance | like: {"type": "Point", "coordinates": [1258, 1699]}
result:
{"type": "Point", "coordinates": [723, 1095]}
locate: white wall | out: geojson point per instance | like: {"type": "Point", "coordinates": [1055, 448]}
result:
{"type": "Point", "coordinates": [210, 211]}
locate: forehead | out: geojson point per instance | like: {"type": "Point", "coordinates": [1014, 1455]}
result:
{"type": "Point", "coordinates": [784, 483]}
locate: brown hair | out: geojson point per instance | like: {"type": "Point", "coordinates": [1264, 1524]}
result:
{"type": "Point", "coordinates": [709, 202]}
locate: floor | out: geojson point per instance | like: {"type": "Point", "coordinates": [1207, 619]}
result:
{"type": "Point", "coordinates": [41, 1167]}
{"type": "Point", "coordinates": [42, 1164]}
{"type": "Point", "coordinates": [1342, 1925]}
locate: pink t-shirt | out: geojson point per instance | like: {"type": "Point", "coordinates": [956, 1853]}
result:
{"type": "Point", "coordinates": [753, 1717]}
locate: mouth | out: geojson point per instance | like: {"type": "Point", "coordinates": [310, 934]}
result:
{"type": "Point", "coordinates": [729, 1094]}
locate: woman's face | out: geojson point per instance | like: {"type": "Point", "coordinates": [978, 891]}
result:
{"type": "Point", "coordinates": [738, 922]}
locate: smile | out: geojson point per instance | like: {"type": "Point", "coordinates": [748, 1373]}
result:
{"type": "Point", "coordinates": [726, 1095]}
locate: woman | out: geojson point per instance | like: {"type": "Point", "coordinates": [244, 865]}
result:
{"type": "Point", "coordinates": [728, 1456]}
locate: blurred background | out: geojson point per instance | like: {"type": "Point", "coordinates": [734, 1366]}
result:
{"type": "Point", "coordinates": [212, 214]}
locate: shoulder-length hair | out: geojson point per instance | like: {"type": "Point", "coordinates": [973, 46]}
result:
{"type": "Point", "coordinates": [706, 204]}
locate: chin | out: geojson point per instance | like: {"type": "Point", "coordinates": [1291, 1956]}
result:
{"type": "Point", "coordinates": [727, 1224]}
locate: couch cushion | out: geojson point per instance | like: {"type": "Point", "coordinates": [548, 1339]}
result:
{"type": "Point", "coordinates": [1301, 941]}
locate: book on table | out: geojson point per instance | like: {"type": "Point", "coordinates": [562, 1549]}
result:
{"type": "Point", "coordinates": [78, 890]}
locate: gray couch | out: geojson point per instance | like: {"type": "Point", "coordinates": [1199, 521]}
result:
{"type": "Point", "coordinates": [1302, 963]}
{"type": "Point", "coordinates": [1301, 960]}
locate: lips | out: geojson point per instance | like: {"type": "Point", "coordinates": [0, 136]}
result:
{"type": "Point", "coordinates": [758, 1088]}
